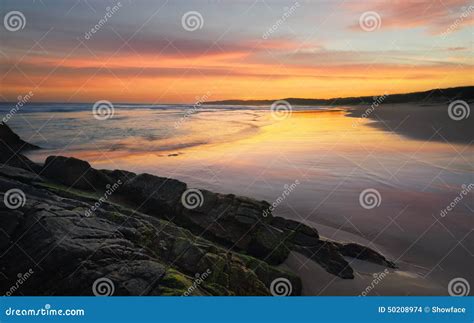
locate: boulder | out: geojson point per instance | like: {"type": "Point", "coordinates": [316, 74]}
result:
{"type": "Point", "coordinates": [12, 141]}
{"type": "Point", "coordinates": [358, 251]}
{"type": "Point", "coordinates": [328, 256]}
{"type": "Point", "coordinates": [153, 194]}
{"type": "Point", "coordinates": [269, 244]}
{"type": "Point", "coordinates": [74, 173]}
{"type": "Point", "coordinates": [301, 234]}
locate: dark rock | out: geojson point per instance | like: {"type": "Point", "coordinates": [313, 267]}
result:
{"type": "Point", "coordinates": [9, 222]}
{"type": "Point", "coordinates": [302, 234]}
{"type": "Point", "coordinates": [355, 250]}
{"type": "Point", "coordinates": [11, 146]}
{"type": "Point", "coordinates": [12, 141]}
{"type": "Point", "coordinates": [302, 239]}
{"type": "Point", "coordinates": [74, 173]}
{"type": "Point", "coordinates": [15, 159]}
{"type": "Point", "coordinates": [270, 245]}
{"type": "Point", "coordinates": [140, 254]}
{"type": "Point", "coordinates": [155, 195]}
{"type": "Point", "coordinates": [328, 256]}
{"type": "Point", "coordinates": [118, 175]}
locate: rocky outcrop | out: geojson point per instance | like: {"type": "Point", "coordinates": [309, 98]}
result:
{"type": "Point", "coordinates": [74, 173]}
{"type": "Point", "coordinates": [329, 254]}
{"type": "Point", "coordinates": [355, 250]}
{"type": "Point", "coordinates": [150, 237]}
{"type": "Point", "coordinates": [11, 146]}
{"type": "Point", "coordinates": [12, 140]}
{"type": "Point", "coordinates": [140, 254]}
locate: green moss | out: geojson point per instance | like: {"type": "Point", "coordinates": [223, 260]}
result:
{"type": "Point", "coordinates": [217, 290]}
{"type": "Point", "coordinates": [174, 283]}
{"type": "Point", "coordinates": [176, 279]}
{"type": "Point", "coordinates": [68, 191]}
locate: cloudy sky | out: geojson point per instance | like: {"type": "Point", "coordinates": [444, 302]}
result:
{"type": "Point", "coordinates": [147, 51]}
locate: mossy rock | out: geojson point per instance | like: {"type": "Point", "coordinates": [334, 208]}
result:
{"type": "Point", "coordinates": [269, 244]}
{"type": "Point", "coordinates": [175, 283]}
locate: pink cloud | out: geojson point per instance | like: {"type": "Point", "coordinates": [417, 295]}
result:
{"type": "Point", "coordinates": [436, 17]}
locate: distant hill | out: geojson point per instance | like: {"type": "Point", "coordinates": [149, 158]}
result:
{"type": "Point", "coordinates": [432, 96]}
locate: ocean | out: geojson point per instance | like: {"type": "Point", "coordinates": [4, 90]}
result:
{"type": "Point", "coordinates": [351, 180]}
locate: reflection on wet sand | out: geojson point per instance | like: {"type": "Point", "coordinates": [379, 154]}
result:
{"type": "Point", "coordinates": [248, 153]}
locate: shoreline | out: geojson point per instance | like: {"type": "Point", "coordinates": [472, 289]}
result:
{"type": "Point", "coordinates": [58, 190]}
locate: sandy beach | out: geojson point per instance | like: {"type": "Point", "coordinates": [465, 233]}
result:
{"type": "Point", "coordinates": [333, 157]}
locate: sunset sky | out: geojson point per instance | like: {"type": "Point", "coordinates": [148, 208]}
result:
{"type": "Point", "coordinates": [317, 50]}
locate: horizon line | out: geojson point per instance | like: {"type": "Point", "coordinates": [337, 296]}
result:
{"type": "Point", "coordinates": [243, 100]}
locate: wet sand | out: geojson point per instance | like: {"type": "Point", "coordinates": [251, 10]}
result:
{"type": "Point", "coordinates": [334, 161]}
{"type": "Point", "coordinates": [424, 122]}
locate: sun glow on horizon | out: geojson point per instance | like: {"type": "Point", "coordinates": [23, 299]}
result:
{"type": "Point", "coordinates": [144, 55]}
